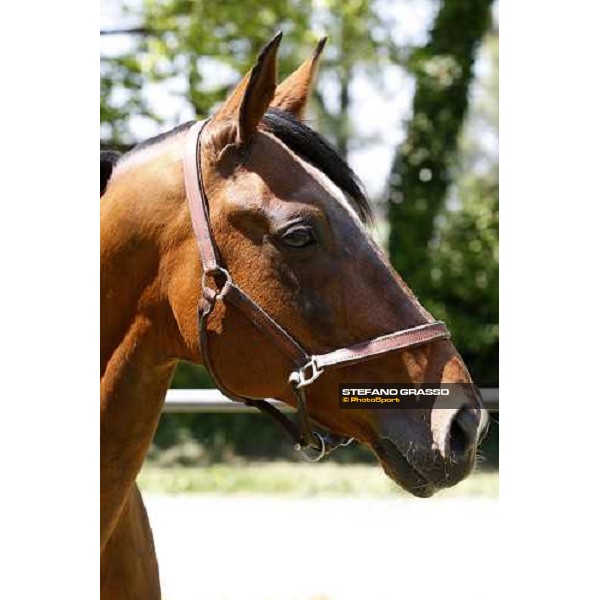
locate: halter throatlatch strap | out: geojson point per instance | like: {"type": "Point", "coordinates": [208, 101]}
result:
{"type": "Point", "coordinates": [306, 368]}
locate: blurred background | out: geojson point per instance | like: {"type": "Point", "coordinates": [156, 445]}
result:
{"type": "Point", "coordinates": [408, 92]}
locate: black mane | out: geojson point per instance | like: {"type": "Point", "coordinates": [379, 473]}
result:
{"type": "Point", "coordinates": [314, 148]}
{"type": "Point", "coordinates": [108, 160]}
{"type": "Point", "coordinates": [307, 144]}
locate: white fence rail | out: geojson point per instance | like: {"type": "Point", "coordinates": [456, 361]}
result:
{"type": "Point", "coordinates": [192, 401]}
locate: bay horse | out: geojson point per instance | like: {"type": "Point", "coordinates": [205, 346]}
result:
{"type": "Point", "coordinates": [287, 216]}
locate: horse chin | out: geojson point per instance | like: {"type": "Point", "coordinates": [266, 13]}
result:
{"type": "Point", "coordinates": [397, 468]}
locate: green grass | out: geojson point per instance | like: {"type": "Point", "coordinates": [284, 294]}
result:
{"type": "Point", "coordinates": [295, 479]}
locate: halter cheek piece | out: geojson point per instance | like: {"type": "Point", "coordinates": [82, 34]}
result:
{"type": "Point", "coordinates": [307, 368]}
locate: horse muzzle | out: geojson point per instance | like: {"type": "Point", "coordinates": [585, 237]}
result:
{"type": "Point", "coordinates": [425, 457]}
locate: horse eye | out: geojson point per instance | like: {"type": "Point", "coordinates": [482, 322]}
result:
{"type": "Point", "coordinates": [299, 237]}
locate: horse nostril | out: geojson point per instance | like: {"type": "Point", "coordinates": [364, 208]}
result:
{"type": "Point", "coordinates": [463, 431]}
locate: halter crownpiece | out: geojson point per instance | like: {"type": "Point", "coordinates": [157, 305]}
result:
{"type": "Point", "coordinates": [306, 368]}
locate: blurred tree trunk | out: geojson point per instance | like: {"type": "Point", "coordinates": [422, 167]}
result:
{"type": "Point", "coordinates": [419, 177]}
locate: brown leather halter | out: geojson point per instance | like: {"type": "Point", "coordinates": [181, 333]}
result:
{"type": "Point", "coordinates": [306, 367]}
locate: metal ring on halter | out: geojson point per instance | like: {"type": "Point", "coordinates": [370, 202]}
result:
{"type": "Point", "coordinates": [216, 271]}
{"type": "Point", "coordinates": [307, 449]}
{"type": "Point", "coordinates": [305, 375]}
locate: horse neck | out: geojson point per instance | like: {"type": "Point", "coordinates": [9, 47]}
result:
{"type": "Point", "coordinates": [132, 392]}
{"type": "Point", "coordinates": [138, 335]}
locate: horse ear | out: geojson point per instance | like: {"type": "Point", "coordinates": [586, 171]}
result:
{"type": "Point", "coordinates": [293, 93]}
{"type": "Point", "coordinates": [251, 98]}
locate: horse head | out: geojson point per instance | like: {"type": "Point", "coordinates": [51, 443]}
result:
{"type": "Point", "coordinates": [288, 217]}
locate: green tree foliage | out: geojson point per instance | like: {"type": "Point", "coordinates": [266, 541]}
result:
{"type": "Point", "coordinates": [188, 376]}
{"type": "Point", "coordinates": [194, 40]}
{"type": "Point", "coordinates": [463, 289]}
{"type": "Point", "coordinates": [421, 171]}
{"type": "Point", "coordinates": [117, 75]}
{"type": "Point", "coordinates": [464, 256]}
{"type": "Point", "coordinates": [449, 254]}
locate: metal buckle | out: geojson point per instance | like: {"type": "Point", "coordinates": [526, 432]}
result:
{"type": "Point", "coordinates": [219, 293]}
{"type": "Point", "coordinates": [305, 375]}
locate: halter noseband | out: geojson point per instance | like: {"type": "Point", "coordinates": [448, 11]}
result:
{"type": "Point", "coordinates": [306, 367]}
